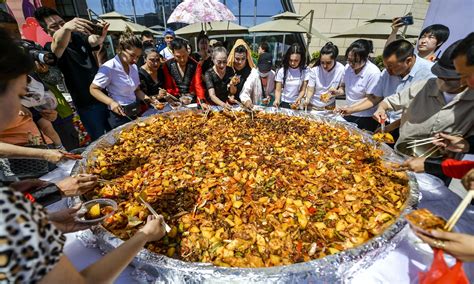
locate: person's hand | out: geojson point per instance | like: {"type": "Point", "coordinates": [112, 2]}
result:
{"type": "Point", "coordinates": [333, 92]}
{"type": "Point", "coordinates": [65, 220]}
{"type": "Point", "coordinates": [248, 104]}
{"type": "Point", "coordinates": [205, 106]}
{"type": "Point", "coordinates": [117, 108]}
{"type": "Point", "coordinates": [147, 99]}
{"type": "Point", "coordinates": [416, 165]}
{"type": "Point", "coordinates": [53, 155]}
{"type": "Point", "coordinates": [468, 180]}
{"type": "Point", "coordinates": [79, 25]}
{"type": "Point", "coordinates": [396, 24]}
{"type": "Point", "coordinates": [452, 143]}
{"type": "Point", "coordinates": [161, 94]}
{"type": "Point", "coordinates": [343, 110]}
{"type": "Point", "coordinates": [28, 185]}
{"type": "Point", "coordinates": [77, 185]}
{"type": "Point", "coordinates": [266, 100]}
{"type": "Point", "coordinates": [232, 100]}
{"type": "Point", "coordinates": [276, 103]}
{"type": "Point", "coordinates": [105, 29]}
{"type": "Point", "coordinates": [380, 115]}
{"type": "Point", "coordinates": [227, 106]}
{"type": "Point", "coordinates": [456, 244]}
{"type": "Point", "coordinates": [49, 114]}
{"type": "Point", "coordinates": [154, 228]}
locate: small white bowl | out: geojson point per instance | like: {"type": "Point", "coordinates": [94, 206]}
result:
{"type": "Point", "coordinates": [87, 205]}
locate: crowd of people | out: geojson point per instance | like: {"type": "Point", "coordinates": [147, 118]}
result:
{"type": "Point", "coordinates": [418, 94]}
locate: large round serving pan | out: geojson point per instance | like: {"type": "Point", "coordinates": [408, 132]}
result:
{"type": "Point", "coordinates": [330, 269]}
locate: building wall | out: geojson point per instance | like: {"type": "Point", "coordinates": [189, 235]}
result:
{"type": "Point", "coordinates": [332, 17]}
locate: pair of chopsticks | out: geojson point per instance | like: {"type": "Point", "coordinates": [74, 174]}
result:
{"type": "Point", "coordinates": [425, 141]}
{"type": "Point", "coordinates": [206, 112]}
{"type": "Point", "coordinates": [148, 206]}
{"type": "Point", "coordinates": [459, 211]}
{"type": "Point", "coordinates": [104, 181]}
{"type": "Point", "coordinates": [247, 108]}
{"type": "Point", "coordinates": [429, 152]}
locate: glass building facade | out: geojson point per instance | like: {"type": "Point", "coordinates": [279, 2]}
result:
{"type": "Point", "coordinates": [150, 12]}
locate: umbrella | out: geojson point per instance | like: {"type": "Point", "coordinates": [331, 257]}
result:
{"type": "Point", "coordinates": [119, 23]}
{"type": "Point", "coordinates": [287, 23]}
{"type": "Point", "coordinates": [200, 11]}
{"type": "Point", "coordinates": [212, 28]}
{"type": "Point", "coordinates": [378, 28]}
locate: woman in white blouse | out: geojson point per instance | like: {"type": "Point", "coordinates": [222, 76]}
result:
{"type": "Point", "coordinates": [119, 76]}
{"type": "Point", "coordinates": [290, 80]}
{"type": "Point", "coordinates": [324, 79]}
{"type": "Point", "coordinates": [360, 80]}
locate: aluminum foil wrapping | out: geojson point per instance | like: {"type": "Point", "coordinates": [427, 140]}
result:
{"type": "Point", "coordinates": [341, 267]}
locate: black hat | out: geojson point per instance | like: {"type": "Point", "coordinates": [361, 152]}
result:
{"type": "Point", "coordinates": [444, 67]}
{"type": "Point", "coordinates": [264, 63]}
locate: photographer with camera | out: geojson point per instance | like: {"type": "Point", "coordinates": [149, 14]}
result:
{"type": "Point", "coordinates": [73, 44]}
{"type": "Point", "coordinates": [430, 40]}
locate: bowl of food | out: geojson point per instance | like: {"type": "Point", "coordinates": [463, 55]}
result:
{"type": "Point", "coordinates": [96, 210]}
{"type": "Point", "coordinates": [423, 220]}
{"type": "Point", "coordinates": [418, 150]}
{"type": "Point", "coordinates": [175, 105]}
{"type": "Point", "coordinates": [186, 99]}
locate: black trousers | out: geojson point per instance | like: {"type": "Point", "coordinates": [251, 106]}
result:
{"type": "Point", "coordinates": [67, 132]}
{"type": "Point", "coordinates": [367, 123]}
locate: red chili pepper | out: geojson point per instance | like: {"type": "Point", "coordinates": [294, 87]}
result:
{"type": "Point", "coordinates": [312, 210]}
{"type": "Point", "coordinates": [299, 247]}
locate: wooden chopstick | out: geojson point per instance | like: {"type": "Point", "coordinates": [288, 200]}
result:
{"type": "Point", "coordinates": [106, 181]}
{"type": "Point", "coordinates": [459, 211]}
{"type": "Point", "coordinates": [413, 145]}
{"type": "Point", "coordinates": [428, 151]}
{"type": "Point", "coordinates": [432, 152]}
{"type": "Point", "coordinates": [148, 206]}
{"type": "Point", "coordinates": [422, 140]}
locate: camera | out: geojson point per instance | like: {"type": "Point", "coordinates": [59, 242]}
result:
{"type": "Point", "coordinates": [407, 20]}
{"type": "Point", "coordinates": [97, 27]}
{"type": "Point", "coordinates": [37, 52]}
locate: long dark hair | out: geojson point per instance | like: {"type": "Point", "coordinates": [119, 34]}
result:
{"type": "Point", "coordinates": [361, 49]}
{"type": "Point", "coordinates": [328, 49]}
{"type": "Point", "coordinates": [294, 49]}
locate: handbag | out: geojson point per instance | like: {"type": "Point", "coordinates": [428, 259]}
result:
{"type": "Point", "coordinates": [131, 110]}
{"type": "Point", "coordinates": [30, 168]}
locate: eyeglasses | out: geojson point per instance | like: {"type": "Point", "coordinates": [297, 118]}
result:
{"type": "Point", "coordinates": [154, 59]}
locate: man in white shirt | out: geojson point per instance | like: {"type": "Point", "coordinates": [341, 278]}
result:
{"type": "Point", "coordinates": [169, 36]}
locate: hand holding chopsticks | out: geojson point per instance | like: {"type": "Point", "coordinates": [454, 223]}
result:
{"type": "Point", "coordinates": [459, 211]}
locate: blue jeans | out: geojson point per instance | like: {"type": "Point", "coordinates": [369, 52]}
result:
{"type": "Point", "coordinates": [95, 121]}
